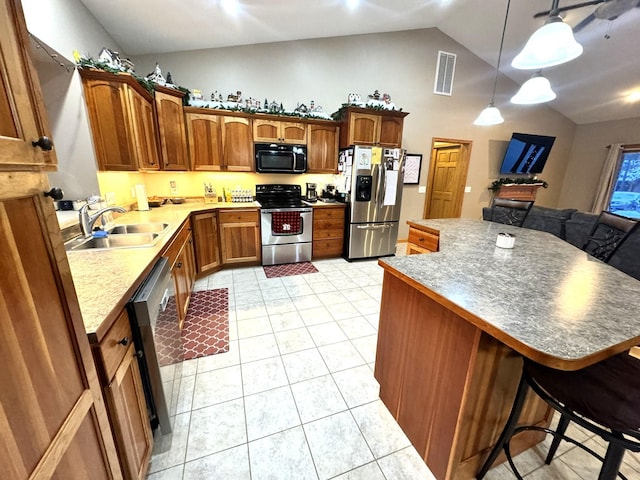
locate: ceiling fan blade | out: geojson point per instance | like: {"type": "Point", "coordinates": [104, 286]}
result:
{"type": "Point", "coordinates": [568, 7]}
{"type": "Point", "coordinates": [586, 21]}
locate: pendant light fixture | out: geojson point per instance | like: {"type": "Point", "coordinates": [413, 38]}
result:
{"type": "Point", "coordinates": [552, 44]}
{"type": "Point", "coordinates": [491, 114]}
{"type": "Point", "coordinates": [535, 90]}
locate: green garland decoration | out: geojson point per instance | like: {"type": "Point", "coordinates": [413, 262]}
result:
{"type": "Point", "coordinates": [339, 115]}
{"type": "Point", "coordinates": [495, 186]}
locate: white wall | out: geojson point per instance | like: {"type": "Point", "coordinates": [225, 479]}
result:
{"type": "Point", "coordinates": [65, 25]}
{"type": "Point", "coordinates": [400, 63]}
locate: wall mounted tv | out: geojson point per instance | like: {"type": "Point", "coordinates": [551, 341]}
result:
{"type": "Point", "coordinates": [526, 154]}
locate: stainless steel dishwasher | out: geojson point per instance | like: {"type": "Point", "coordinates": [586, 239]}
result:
{"type": "Point", "coordinates": [151, 306]}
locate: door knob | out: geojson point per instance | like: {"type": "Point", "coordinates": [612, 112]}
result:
{"type": "Point", "coordinates": [44, 143]}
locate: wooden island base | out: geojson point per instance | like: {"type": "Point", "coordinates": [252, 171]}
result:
{"type": "Point", "coordinates": [448, 384]}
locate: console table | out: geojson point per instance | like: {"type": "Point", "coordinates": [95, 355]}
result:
{"type": "Point", "coordinates": [455, 324]}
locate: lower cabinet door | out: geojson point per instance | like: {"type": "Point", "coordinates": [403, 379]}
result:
{"type": "Point", "coordinates": [128, 411]}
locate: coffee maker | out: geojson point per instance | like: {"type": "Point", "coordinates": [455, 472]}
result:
{"type": "Point", "coordinates": [312, 195]}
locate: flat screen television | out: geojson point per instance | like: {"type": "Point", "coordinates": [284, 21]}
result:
{"type": "Point", "coordinates": [526, 154]}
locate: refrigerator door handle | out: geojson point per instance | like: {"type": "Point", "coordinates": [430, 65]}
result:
{"type": "Point", "coordinates": [373, 227]}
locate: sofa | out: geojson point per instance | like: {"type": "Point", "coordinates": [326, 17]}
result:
{"type": "Point", "coordinates": [574, 227]}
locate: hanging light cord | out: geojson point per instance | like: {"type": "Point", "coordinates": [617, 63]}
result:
{"type": "Point", "coordinates": [504, 28]}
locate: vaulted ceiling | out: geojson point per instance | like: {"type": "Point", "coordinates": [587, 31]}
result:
{"type": "Point", "coordinates": [594, 87]}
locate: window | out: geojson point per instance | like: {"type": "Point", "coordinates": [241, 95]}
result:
{"type": "Point", "coordinates": [625, 195]}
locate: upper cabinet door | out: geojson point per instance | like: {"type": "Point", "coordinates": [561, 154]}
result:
{"type": "Point", "coordinates": [391, 131]}
{"type": "Point", "coordinates": [322, 151]}
{"type": "Point", "coordinates": [267, 130]}
{"type": "Point", "coordinates": [111, 125]}
{"type": "Point", "coordinates": [25, 140]}
{"type": "Point", "coordinates": [144, 127]}
{"type": "Point", "coordinates": [172, 129]}
{"type": "Point", "coordinates": [364, 129]}
{"type": "Point", "coordinates": [205, 141]}
{"type": "Point", "coordinates": [237, 144]}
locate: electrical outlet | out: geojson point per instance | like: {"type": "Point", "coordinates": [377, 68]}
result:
{"type": "Point", "coordinates": [110, 198]}
{"type": "Point", "coordinates": [174, 187]}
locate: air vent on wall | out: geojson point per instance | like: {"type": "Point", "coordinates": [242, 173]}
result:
{"type": "Point", "coordinates": [444, 73]}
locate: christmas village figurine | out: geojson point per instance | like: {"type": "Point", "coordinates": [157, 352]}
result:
{"type": "Point", "coordinates": [237, 98]}
{"type": "Point", "coordinates": [156, 76]}
{"type": "Point", "coordinates": [354, 98]}
{"type": "Point", "coordinates": [252, 103]}
{"type": "Point", "coordinates": [216, 97]}
{"type": "Point", "coordinates": [301, 108]}
{"type": "Point", "coordinates": [112, 58]}
{"type": "Point", "coordinates": [315, 108]}
{"type": "Point", "coordinates": [386, 98]}
{"type": "Point", "coordinates": [374, 96]}
{"type": "Point", "coordinates": [169, 79]}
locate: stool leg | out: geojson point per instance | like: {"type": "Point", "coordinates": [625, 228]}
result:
{"type": "Point", "coordinates": [612, 462]}
{"type": "Point", "coordinates": [509, 427]}
{"type": "Point", "coordinates": [563, 423]}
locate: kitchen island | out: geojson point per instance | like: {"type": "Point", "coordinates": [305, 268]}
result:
{"type": "Point", "coordinates": [455, 324]}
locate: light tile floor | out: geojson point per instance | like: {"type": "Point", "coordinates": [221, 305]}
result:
{"type": "Point", "coordinates": [295, 397]}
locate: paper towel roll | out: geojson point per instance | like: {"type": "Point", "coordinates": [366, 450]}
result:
{"type": "Point", "coordinates": [141, 197]}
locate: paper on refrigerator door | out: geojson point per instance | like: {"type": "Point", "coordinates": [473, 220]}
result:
{"type": "Point", "coordinates": [376, 155]}
{"type": "Point", "coordinates": [391, 189]}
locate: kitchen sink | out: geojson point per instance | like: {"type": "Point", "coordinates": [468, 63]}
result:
{"type": "Point", "coordinates": [137, 228]}
{"type": "Point", "coordinates": [113, 241]}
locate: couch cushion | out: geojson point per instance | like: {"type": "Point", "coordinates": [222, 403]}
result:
{"type": "Point", "coordinates": [627, 257]}
{"type": "Point", "coordinates": [550, 220]}
{"type": "Point", "coordinates": [578, 228]}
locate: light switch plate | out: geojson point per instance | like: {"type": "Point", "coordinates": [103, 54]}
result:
{"type": "Point", "coordinates": [467, 189]}
{"type": "Point", "coordinates": [422, 189]}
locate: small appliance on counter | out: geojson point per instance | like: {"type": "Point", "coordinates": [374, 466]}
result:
{"type": "Point", "coordinates": [329, 191]}
{"type": "Point", "coordinates": [312, 194]}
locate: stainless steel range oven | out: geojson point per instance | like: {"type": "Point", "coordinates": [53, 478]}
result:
{"type": "Point", "coordinates": [286, 224]}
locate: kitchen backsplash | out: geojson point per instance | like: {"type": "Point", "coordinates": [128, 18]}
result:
{"type": "Point", "coordinates": [191, 184]}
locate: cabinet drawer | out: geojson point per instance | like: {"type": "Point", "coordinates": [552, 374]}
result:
{"type": "Point", "coordinates": [327, 248]}
{"type": "Point", "coordinates": [424, 239]}
{"type": "Point", "coordinates": [115, 345]}
{"type": "Point", "coordinates": [332, 228]}
{"type": "Point", "coordinates": [323, 213]}
{"type": "Point", "coordinates": [239, 216]}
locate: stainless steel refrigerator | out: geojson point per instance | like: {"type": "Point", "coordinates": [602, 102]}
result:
{"type": "Point", "coordinates": [374, 178]}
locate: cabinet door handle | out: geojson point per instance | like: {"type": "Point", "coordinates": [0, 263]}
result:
{"type": "Point", "coordinates": [124, 341]}
{"type": "Point", "coordinates": [44, 143]}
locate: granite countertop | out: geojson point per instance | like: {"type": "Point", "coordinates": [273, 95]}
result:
{"type": "Point", "coordinates": [106, 279]}
{"type": "Point", "coordinates": [543, 298]}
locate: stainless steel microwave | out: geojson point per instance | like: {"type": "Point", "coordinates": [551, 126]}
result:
{"type": "Point", "coordinates": [280, 158]}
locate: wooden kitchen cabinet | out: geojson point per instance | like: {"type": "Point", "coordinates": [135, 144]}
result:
{"type": "Point", "coordinates": [179, 254]}
{"type": "Point", "coordinates": [422, 239]}
{"type": "Point", "coordinates": [171, 128]}
{"type": "Point", "coordinates": [122, 121]}
{"type": "Point", "coordinates": [328, 231]}
{"type": "Point", "coordinates": [279, 131]}
{"type": "Point", "coordinates": [240, 240]}
{"type": "Point", "coordinates": [322, 149]}
{"type": "Point", "coordinates": [22, 116]}
{"type": "Point", "coordinates": [53, 419]}
{"type": "Point", "coordinates": [219, 142]}
{"type": "Point", "coordinates": [206, 241]}
{"type": "Point", "coordinates": [124, 394]}
{"type": "Point", "coordinates": [362, 126]}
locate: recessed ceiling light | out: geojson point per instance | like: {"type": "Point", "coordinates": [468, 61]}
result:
{"type": "Point", "coordinates": [352, 4]}
{"type": "Point", "coordinates": [230, 6]}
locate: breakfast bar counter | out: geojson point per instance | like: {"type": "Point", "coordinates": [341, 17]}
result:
{"type": "Point", "coordinates": [455, 324]}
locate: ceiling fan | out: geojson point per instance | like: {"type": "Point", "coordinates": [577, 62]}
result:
{"type": "Point", "coordinates": [605, 10]}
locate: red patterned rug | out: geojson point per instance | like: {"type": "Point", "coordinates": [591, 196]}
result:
{"type": "Point", "coordinates": [288, 269]}
{"type": "Point", "coordinates": [205, 330]}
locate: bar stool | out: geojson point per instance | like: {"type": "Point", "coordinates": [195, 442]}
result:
{"type": "Point", "coordinates": [603, 398]}
{"type": "Point", "coordinates": [607, 234]}
{"type": "Point", "coordinates": [510, 212]}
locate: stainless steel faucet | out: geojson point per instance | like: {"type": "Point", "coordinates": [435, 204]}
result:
{"type": "Point", "coordinates": [87, 221]}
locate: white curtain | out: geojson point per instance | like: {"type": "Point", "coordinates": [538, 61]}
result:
{"type": "Point", "coordinates": [607, 179]}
